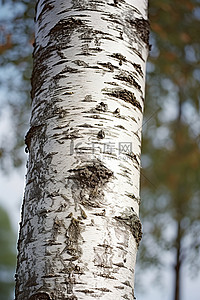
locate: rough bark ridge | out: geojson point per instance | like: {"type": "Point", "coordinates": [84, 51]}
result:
{"type": "Point", "coordinates": [80, 228]}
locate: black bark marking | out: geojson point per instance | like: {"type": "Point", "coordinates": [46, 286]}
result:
{"type": "Point", "coordinates": [34, 130]}
{"type": "Point", "coordinates": [68, 69]}
{"type": "Point", "coordinates": [129, 79]}
{"type": "Point", "coordinates": [117, 111]}
{"type": "Point", "coordinates": [81, 63]}
{"type": "Point", "coordinates": [88, 98]}
{"type": "Point", "coordinates": [120, 265]}
{"type": "Point", "coordinates": [120, 126]}
{"type": "Point", "coordinates": [71, 298]}
{"type": "Point", "coordinates": [143, 28]}
{"type": "Point", "coordinates": [126, 297]}
{"type": "Point", "coordinates": [101, 134]}
{"type": "Point", "coordinates": [81, 6]}
{"type": "Point", "coordinates": [69, 134]}
{"type": "Point", "coordinates": [142, 98]}
{"type": "Point", "coordinates": [83, 214]}
{"type": "Point", "coordinates": [40, 296]}
{"type": "Point", "coordinates": [62, 61]}
{"type": "Point", "coordinates": [65, 26]}
{"type": "Point", "coordinates": [47, 7]}
{"type": "Point", "coordinates": [125, 95]}
{"type": "Point", "coordinates": [133, 157]}
{"type": "Point", "coordinates": [127, 283]}
{"type": "Point", "coordinates": [116, 2]}
{"type": "Point", "coordinates": [95, 50]}
{"type": "Point", "coordinates": [104, 290]}
{"type": "Point", "coordinates": [121, 58]}
{"type": "Point", "coordinates": [85, 291]}
{"type": "Point", "coordinates": [86, 126]}
{"type": "Point", "coordinates": [50, 110]}
{"type": "Point", "coordinates": [96, 117]}
{"type": "Point", "coordinates": [138, 53]}
{"type": "Point", "coordinates": [119, 287]}
{"type": "Point", "coordinates": [68, 93]}
{"type": "Point", "coordinates": [101, 214]}
{"type": "Point", "coordinates": [108, 65]}
{"type": "Point", "coordinates": [107, 276]}
{"type": "Point", "coordinates": [29, 235]}
{"type": "Point", "coordinates": [102, 107]}
{"type": "Point", "coordinates": [60, 36]}
{"type": "Point", "coordinates": [132, 196]}
{"type": "Point", "coordinates": [138, 69]}
{"type": "Point", "coordinates": [129, 218]}
{"type": "Point", "coordinates": [112, 18]}
{"type": "Point", "coordinates": [111, 83]}
{"type": "Point", "coordinates": [39, 69]}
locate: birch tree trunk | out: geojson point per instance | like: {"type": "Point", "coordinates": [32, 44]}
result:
{"type": "Point", "coordinates": [80, 227]}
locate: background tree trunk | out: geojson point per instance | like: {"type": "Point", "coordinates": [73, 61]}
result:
{"type": "Point", "coordinates": [80, 228]}
{"type": "Point", "coordinates": [177, 263]}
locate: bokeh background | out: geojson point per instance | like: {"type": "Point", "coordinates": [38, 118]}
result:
{"type": "Point", "coordinates": [169, 255]}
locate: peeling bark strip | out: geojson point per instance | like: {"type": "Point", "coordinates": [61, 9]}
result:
{"type": "Point", "coordinates": [80, 226]}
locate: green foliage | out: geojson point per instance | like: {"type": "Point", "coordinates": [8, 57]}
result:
{"type": "Point", "coordinates": [7, 256]}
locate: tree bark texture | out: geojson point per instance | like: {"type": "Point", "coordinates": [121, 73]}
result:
{"type": "Point", "coordinates": [80, 228]}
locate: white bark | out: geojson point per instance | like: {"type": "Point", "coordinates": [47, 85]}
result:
{"type": "Point", "coordinates": [80, 227]}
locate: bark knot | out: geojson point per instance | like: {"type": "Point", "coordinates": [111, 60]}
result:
{"type": "Point", "coordinates": [92, 175]}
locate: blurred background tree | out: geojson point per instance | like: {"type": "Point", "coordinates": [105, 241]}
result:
{"type": "Point", "coordinates": [7, 256]}
{"type": "Point", "coordinates": [16, 38]}
{"type": "Point", "coordinates": [171, 153]}
{"type": "Point", "coordinates": [170, 206]}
